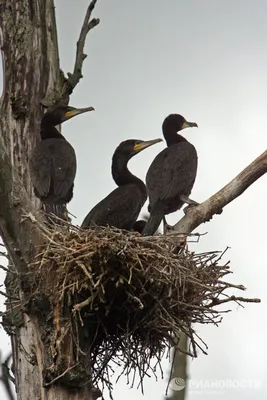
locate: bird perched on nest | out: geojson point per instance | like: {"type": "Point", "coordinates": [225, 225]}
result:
{"type": "Point", "coordinates": [53, 161]}
{"type": "Point", "coordinates": [122, 206]}
{"type": "Point", "coordinates": [171, 176]}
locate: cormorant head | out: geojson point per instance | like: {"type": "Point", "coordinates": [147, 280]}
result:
{"type": "Point", "coordinates": [131, 147]}
{"type": "Point", "coordinates": [61, 113]}
{"type": "Point", "coordinates": [176, 122]}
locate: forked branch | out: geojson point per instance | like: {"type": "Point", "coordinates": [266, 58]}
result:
{"type": "Point", "coordinates": [203, 212]}
{"type": "Point", "coordinates": [64, 86]}
{"type": "Point", "coordinates": [74, 78]}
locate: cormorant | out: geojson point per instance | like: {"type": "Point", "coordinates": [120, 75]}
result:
{"type": "Point", "coordinates": [122, 206]}
{"type": "Point", "coordinates": [140, 224]}
{"type": "Point", "coordinates": [171, 176]}
{"type": "Point", "coordinates": [53, 161]}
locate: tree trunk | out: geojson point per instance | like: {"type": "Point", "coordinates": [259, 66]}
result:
{"type": "Point", "coordinates": [32, 77]}
{"type": "Point", "coordinates": [179, 374]}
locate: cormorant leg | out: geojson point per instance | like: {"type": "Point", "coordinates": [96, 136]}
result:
{"type": "Point", "coordinates": [166, 226]}
{"type": "Point", "coordinates": [188, 201]}
{"type": "Point", "coordinates": [192, 203]}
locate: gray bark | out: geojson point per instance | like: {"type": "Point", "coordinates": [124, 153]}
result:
{"type": "Point", "coordinates": [180, 367]}
{"type": "Point", "coordinates": [32, 77]}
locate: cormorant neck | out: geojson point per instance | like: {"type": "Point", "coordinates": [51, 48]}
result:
{"type": "Point", "coordinates": [171, 136]}
{"type": "Point", "coordinates": [49, 131]}
{"type": "Point", "coordinates": [121, 174]}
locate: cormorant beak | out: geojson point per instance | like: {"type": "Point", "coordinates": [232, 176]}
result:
{"type": "Point", "coordinates": [77, 111]}
{"type": "Point", "coordinates": [187, 124]}
{"type": "Point", "coordinates": [143, 145]}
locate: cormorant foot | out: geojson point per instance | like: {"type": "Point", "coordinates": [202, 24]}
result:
{"type": "Point", "coordinates": [166, 226]}
{"type": "Point", "coordinates": [187, 208]}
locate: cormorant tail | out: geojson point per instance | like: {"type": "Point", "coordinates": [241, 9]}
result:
{"type": "Point", "coordinates": [55, 211]}
{"type": "Point", "coordinates": [156, 216]}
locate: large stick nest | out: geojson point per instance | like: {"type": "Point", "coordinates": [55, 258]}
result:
{"type": "Point", "coordinates": [131, 294]}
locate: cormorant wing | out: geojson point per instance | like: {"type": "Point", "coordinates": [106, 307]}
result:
{"type": "Point", "coordinates": [53, 162]}
{"type": "Point", "coordinates": [172, 172]}
{"type": "Point", "coordinates": [40, 166]}
{"type": "Point", "coordinates": [119, 209]}
{"type": "Point", "coordinates": [64, 169]}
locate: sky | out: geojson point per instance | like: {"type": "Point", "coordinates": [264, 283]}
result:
{"type": "Point", "coordinates": [206, 60]}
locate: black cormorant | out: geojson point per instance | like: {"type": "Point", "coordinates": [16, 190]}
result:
{"type": "Point", "coordinates": [53, 161]}
{"type": "Point", "coordinates": [122, 206]}
{"type": "Point", "coordinates": [171, 176]}
{"type": "Point", "coordinates": [139, 225]}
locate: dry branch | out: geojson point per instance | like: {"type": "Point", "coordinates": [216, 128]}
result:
{"type": "Point", "coordinates": [195, 216]}
{"type": "Point", "coordinates": [65, 86]}
{"type": "Point", "coordinates": [74, 78]}
{"type": "Point", "coordinates": [203, 212]}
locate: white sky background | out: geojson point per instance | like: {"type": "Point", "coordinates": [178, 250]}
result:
{"type": "Point", "coordinates": [208, 61]}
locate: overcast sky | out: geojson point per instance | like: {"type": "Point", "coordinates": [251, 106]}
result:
{"type": "Point", "coordinates": [206, 60]}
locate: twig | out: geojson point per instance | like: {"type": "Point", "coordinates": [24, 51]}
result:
{"type": "Point", "coordinates": [4, 268]}
{"type": "Point", "coordinates": [61, 375]}
{"type": "Point", "coordinates": [78, 307]}
{"type": "Point", "coordinates": [8, 297]}
{"type": "Point", "coordinates": [216, 302]}
{"type": "Point", "coordinates": [6, 378]}
{"type": "Point", "coordinates": [4, 254]}
{"type": "Point", "coordinates": [74, 78]}
{"type": "Point", "coordinates": [203, 212]}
